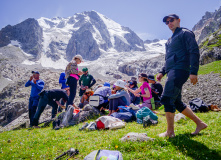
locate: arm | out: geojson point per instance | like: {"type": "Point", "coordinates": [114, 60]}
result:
{"type": "Point", "coordinates": [147, 93]}
{"type": "Point", "coordinates": [193, 50]}
{"type": "Point", "coordinates": [59, 104]}
{"type": "Point", "coordinates": [39, 84]}
{"type": "Point", "coordinates": [93, 81]}
{"type": "Point", "coordinates": [27, 84]}
{"type": "Point", "coordinates": [80, 81]}
{"type": "Point", "coordinates": [117, 95]}
{"type": "Point", "coordinates": [134, 91]}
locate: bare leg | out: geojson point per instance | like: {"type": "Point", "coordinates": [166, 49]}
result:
{"type": "Point", "coordinates": [200, 125]}
{"type": "Point", "coordinates": [110, 112]}
{"type": "Point", "coordinates": [170, 125]}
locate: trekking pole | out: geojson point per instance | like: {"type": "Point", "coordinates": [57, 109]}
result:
{"type": "Point", "coordinates": [71, 152]}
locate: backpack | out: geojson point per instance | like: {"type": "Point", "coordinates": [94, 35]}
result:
{"type": "Point", "coordinates": [197, 105]}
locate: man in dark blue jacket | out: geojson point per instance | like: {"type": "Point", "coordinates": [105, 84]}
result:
{"type": "Point", "coordinates": [36, 86]}
{"type": "Point", "coordinates": [182, 62]}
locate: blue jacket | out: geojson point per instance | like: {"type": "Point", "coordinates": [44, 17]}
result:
{"type": "Point", "coordinates": [62, 80]}
{"type": "Point", "coordinates": [35, 88]}
{"type": "Point", "coordinates": [182, 52]}
{"type": "Point", "coordinates": [123, 95]}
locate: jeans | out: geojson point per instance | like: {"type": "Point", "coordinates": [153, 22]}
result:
{"type": "Point", "coordinates": [114, 103]}
{"type": "Point", "coordinates": [72, 83]}
{"type": "Point", "coordinates": [33, 103]}
{"type": "Point", "coordinates": [41, 106]}
{"type": "Point", "coordinates": [171, 98]}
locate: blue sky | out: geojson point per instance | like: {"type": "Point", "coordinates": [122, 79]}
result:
{"type": "Point", "coordinates": [144, 17]}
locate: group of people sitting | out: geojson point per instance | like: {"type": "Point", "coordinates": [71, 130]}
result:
{"type": "Point", "coordinates": [122, 93]}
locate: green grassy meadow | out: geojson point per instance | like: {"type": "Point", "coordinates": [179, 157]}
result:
{"type": "Point", "coordinates": [45, 143]}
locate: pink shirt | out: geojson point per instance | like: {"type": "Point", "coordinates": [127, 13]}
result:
{"type": "Point", "coordinates": [75, 75]}
{"type": "Point", "coordinates": [145, 85]}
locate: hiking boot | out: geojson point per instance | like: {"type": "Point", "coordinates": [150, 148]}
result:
{"type": "Point", "coordinates": [57, 128]}
{"type": "Point", "coordinates": [92, 126]}
{"type": "Point", "coordinates": [83, 127]}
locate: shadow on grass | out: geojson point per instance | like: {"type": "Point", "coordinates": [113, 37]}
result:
{"type": "Point", "coordinates": [194, 149]}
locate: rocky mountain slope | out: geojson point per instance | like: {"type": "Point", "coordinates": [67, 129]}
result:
{"type": "Point", "coordinates": [209, 23]}
{"type": "Point", "coordinates": [88, 34]}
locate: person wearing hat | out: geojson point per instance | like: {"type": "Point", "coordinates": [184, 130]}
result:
{"type": "Point", "coordinates": [182, 62]}
{"type": "Point", "coordinates": [52, 98]}
{"type": "Point", "coordinates": [121, 98]}
{"type": "Point", "coordinates": [72, 75]}
{"type": "Point", "coordinates": [156, 88]}
{"type": "Point", "coordinates": [144, 91]}
{"type": "Point", "coordinates": [103, 92]}
{"type": "Point", "coordinates": [133, 99]}
{"type": "Point", "coordinates": [86, 81]}
{"type": "Point", "coordinates": [85, 98]}
{"type": "Point", "coordinates": [36, 87]}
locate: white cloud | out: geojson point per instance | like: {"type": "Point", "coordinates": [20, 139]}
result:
{"type": "Point", "coordinates": [145, 36]}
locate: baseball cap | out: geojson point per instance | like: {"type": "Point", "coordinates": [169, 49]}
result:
{"type": "Point", "coordinates": [151, 77]}
{"type": "Point", "coordinates": [36, 72]}
{"type": "Point", "coordinates": [85, 69]}
{"type": "Point", "coordinates": [171, 16]}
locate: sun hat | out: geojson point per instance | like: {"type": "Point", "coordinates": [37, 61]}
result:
{"type": "Point", "coordinates": [171, 16]}
{"type": "Point", "coordinates": [79, 57]}
{"type": "Point", "coordinates": [120, 83]}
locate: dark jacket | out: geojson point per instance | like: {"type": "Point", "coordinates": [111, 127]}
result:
{"type": "Point", "coordinates": [182, 52]}
{"type": "Point", "coordinates": [87, 80]}
{"type": "Point", "coordinates": [133, 99]}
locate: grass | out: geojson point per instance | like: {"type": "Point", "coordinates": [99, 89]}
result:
{"type": "Point", "coordinates": [46, 143]}
{"type": "Point", "coordinates": [214, 67]}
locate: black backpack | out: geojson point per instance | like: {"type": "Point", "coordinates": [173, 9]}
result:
{"type": "Point", "coordinates": [197, 105]}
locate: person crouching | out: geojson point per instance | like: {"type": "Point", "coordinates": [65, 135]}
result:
{"type": "Point", "coordinates": [52, 98]}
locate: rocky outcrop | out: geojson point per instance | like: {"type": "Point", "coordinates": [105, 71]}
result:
{"type": "Point", "coordinates": [210, 48]}
{"type": "Point", "coordinates": [28, 33]}
{"type": "Point", "coordinates": [83, 43]}
{"type": "Point", "coordinates": [93, 35]}
{"type": "Point", "coordinates": [209, 23]}
{"type": "Point", "coordinates": [150, 66]}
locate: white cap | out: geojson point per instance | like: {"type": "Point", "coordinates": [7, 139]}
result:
{"type": "Point", "coordinates": [79, 57]}
{"type": "Point", "coordinates": [120, 83]}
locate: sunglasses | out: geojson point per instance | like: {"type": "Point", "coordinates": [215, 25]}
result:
{"type": "Point", "coordinates": [171, 20]}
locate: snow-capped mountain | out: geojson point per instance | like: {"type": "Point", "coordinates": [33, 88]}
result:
{"type": "Point", "coordinates": [88, 34]}
{"type": "Point", "coordinates": [100, 40]}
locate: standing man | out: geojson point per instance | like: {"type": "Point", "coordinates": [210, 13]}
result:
{"type": "Point", "coordinates": [86, 81]}
{"type": "Point", "coordinates": [182, 62]}
{"type": "Point", "coordinates": [36, 86]}
{"type": "Point", "coordinates": [156, 88]}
